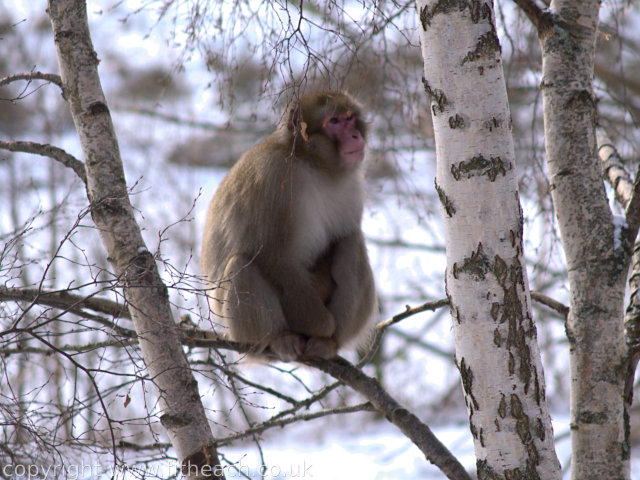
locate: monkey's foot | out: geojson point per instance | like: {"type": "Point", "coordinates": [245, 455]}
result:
{"type": "Point", "coordinates": [318, 347]}
{"type": "Point", "coordinates": [290, 346]}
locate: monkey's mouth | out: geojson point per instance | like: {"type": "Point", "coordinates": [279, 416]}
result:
{"type": "Point", "coordinates": [354, 155]}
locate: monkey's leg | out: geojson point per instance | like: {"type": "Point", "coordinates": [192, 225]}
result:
{"type": "Point", "coordinates": [353, 302]}
{"type": "Point", "coordinates": [321, 276]}
{"type": "Point", "coordinates": [247, 303]}
{"type": "Point", "coordinates": [250, 307]}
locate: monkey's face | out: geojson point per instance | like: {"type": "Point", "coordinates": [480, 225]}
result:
{"type": "Point", "coordinates": [343, 130]}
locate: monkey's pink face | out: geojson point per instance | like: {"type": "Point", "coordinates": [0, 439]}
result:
{"type": "Point", "coordinates": [343, 130]}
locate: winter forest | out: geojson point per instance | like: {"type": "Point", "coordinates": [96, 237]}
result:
{"type": "Point", "coordinates": [501, 219]}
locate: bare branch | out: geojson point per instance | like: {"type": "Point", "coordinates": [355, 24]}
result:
{"type": "Point", "coordinates": [91, 378]}
{"type": "Point", "coordinates": [382, 326]}
{"type": "Point", "coordinates": [339, 368]}
{"type": "Point", "coordinates": [614, 171]}
{"type": "Point", "coordinates": [404, 244]}
{"type": "Point", "coordinates": [632, 327]}
{"type": "Point", "coordinates": [533, 11]}
{"type": "Point", "coordinates": [632, 212]}
{"type": "Point", "coordinates": [416, 340]}
{"type": "Point", "coordinates": [31, 76]}
{"type": "Point", "coordinates": [201, 124]}
{"type": "Point", "coordinates": [48, 151]}
{"type": "Point", "coordinates": [627, 191]}
{"type": "Point", "coordinates": [64, 300]}
{"type": "Point", "coordinates": [407, 422]}
{"type": "Point", "coordinates": [628, 196]}
{"type": "Point", "coordinates": [84, 348]}
{"type": "Point", "coordinates": [559, 307]}
{"type": "Point", "coordinates": [281, 422]}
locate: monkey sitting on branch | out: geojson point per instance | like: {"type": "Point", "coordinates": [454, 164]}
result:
{"type": "Point", "coordinates": [283, 250]}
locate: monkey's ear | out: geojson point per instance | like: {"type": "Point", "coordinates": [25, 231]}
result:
{"type": "Point", "coordinates": [296, 124]}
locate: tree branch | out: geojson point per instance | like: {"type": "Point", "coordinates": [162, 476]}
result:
{"type": "Point", "coordinates": [49, 77]}
{"type": "Point", "coordinates": [627, 191]}
{"type": "Point", "coordinates": [382, 326]}
{"type": "Point", "coordinates": [614, 171]}
{"type": "Point", "coordinates": [407, 422]}
{"type": "Point", "coordinates": [48, 151]}
{"type": "Point", "coordinates": [559, 307]}
{"type": "Point", "coordinates": [632, 326]}
{"type": "Point", "coordinates": [64, 300]}
{"type": "Point", "coordinates": [339, 368]}
{"type": "Point", "coordinates": [532, 11]}
{"type": "Point", "coordinates": [84, 348]}
{"type": "Point", "coordinates": [282, 422]}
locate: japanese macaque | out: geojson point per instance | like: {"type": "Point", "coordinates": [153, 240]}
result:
{"type": "Point", "coordinates": [283, 249]}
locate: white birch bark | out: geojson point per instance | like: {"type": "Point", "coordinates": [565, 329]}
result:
{"type": "Point", "coordinates": [597, 258]}
{"type": "Point", "coordinates": [182, 412]}
{"type": "Point", "coordinates": [496, 348]}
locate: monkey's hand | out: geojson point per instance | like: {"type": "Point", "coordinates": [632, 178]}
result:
{"type": "Point", "coordinates": [302, 304]}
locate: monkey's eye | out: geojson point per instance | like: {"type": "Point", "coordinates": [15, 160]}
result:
{"type": "Point", "coordinates": [349, 118]}
{"type": "Point", "coordinates": [334, 120]}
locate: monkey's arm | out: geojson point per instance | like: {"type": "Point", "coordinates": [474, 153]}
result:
{"type": "Point", "coordinates": [301, 302]}
{"type": "Point", "coordinates": [353, 302]}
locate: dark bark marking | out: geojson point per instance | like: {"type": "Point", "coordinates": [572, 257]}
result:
{"type": "Point", "coordinates": [142, 271]}
{"type": "Point", "coordinates": [581, 100]}
{"type": "Point", "coordinates": [540, 429]}
{"type": "Point", "coordinates": [456, 122]}
{"type": "Point", "coordinates": [497, 338]}
{"type": "Point", "coordinates": [477, 265]}
{"type": "Point", "coordinates": [425, 19]}
{"type": "Point", "coordinates": [598, 418]}
{"type": "Point", "coordinates": [441, 7]}
{"type": "Point", "coordinates": [96, 108]}
{"type": "Point", "coordinates": [487, 46]}
{"type": "Point", "coordinates": [510, 278]}
{"type": "Point", "coordinates": [493, 123]}
{"type": "Point", "coordinates": [467, 383]}
{"type": "Point", "coordinates": [502, 407]}
{"type": "Point", "coordinates": [479, 11]}
{"type": "Point", "coordinates": [173, 421]}
{"type": "Point", "coordinates": [446, 202]}
{"type": "Point", "coordinates": [438, 99]}
{"type": "Point", "coordinates": [480, 165]}
{"type": "Point", "coordinates": [495, 309]}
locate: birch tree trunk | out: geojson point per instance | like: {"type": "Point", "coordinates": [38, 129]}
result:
{"type": "Point", "coordinates": [182, 412]}
{"type": "Point", "coordinates": [495, 335]}
{"type": "Point", "coordinates": [597, 258]}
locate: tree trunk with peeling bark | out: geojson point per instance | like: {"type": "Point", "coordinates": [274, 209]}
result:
{"type": "Point", "coordinates": [597, 255]}
{"type": "Point", "coordinates": [495, 335]}
{"type": "Point", "coordinates": [182, 412]}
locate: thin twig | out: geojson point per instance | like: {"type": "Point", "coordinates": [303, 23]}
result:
{"type": "Point", "coordinates": [281, 422]}
{"type": "Point", "coordinates": [382, 326]}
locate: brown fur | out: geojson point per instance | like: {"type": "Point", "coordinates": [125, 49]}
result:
{"type": "Point", "coordinates": [283, 249]}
